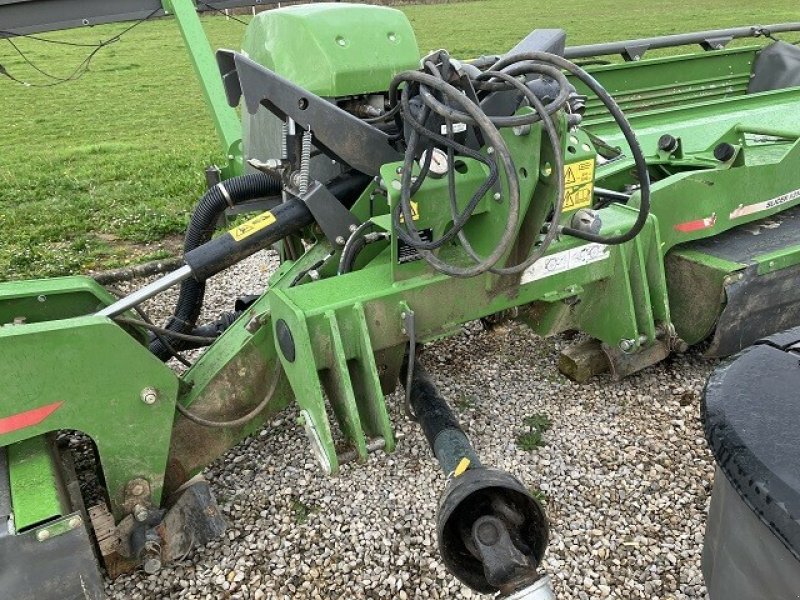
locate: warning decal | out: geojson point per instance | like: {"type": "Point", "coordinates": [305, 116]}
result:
{"type": "Point", "coordinates": [248, 228]}
{"type": "Point", "coordinates": [578, 184]}
{"type": "Point", "coordinates": [414, 212]}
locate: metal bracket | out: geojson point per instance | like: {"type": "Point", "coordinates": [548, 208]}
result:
{"type": "Point", "coordinates": [336, 222]}
{"type": "Point", "coordinates": [409, 326]}
{"type": "Point", "coordinates": [336, 132]}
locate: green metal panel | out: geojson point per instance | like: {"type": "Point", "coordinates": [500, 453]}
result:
{"type": "Point", "coordinates": [89, 373]}
{"type": "Point", "coordinates": [673, 81]}
{"type": "Point", "coordinates": [34, 478]}
{"type": "Point", "coordinates": [226, 121]}
{"type": "Point", "coordinates": [332, 49]}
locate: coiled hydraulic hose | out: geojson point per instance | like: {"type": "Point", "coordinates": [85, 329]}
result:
{"type": "Point", "coordinates": [201, 227]}
{"type": "Point", "coordinates": [436, 94]}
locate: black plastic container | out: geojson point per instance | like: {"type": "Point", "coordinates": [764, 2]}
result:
{"type": "Point", "coordinates": [751, 414]}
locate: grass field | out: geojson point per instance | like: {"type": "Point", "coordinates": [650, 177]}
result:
{"type": "Point", "coordinates": [102, 171]}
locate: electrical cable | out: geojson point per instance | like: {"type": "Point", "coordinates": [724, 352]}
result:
{"type": "Point", "coordinates": [82, 67]}
{"type": "Point", "coordinates": [424, 86]}
{"type": "Point", "coordinates": [244, 419]}
{"type": "Point", "coordinates": [196, 339]}
{"type": "Point", "coordinates": [222, 12]}
{"type": "Point", "coordinates": [144, 316]}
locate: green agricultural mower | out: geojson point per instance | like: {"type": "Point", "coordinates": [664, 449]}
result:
{"type": "Point", "coordinates": [651, 204]}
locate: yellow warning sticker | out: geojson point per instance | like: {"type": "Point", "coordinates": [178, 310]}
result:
{"type": "Point", "coordinates": [248, 228]}
{"type": "Point", "coordinates": [578, 184]}
{"type": "Point", "coordinates": [414, 212]}
{"type": "Point", "coordinates": [463, 465]}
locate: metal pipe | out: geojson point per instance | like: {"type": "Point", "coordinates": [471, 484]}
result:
{"type": "Point", "coordinates": [612, 194]}
{"type": "Point", "coordinates": [145, 293]}
{"type": "Point", "coordinates": [713, 39]}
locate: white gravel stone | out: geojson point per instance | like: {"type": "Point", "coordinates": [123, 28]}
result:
{"type": "Point", "coordinates": [625, 470]}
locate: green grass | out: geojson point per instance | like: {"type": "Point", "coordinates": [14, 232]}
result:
{"type": "Point", "coordinates": [301, 510]}
{"type": "Point", "coordinates": [102, 171]}
{"type": "Point", "coordinates": [532, 439]}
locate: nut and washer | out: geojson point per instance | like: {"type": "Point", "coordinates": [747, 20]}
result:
{"type": "Point", "coordinates": [140, 513]}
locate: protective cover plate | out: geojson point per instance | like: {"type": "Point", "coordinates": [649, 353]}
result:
{"type": "Point", "coordinates": [751, 416]}
{"type": "Point", "coordinates": [65, 567]}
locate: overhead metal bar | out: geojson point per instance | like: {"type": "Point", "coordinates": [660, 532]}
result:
{"type": "Point", "coordinates": [714, 39]}
{"type": "Point", "coordinates": [24, 17]}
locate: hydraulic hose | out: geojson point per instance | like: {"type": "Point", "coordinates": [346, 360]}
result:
{"type": "Point", "coordinates": [206, 258]}
{"type": "Point", "coordinates": [440, 93]}
{"type": "Point", "coordinates": [201, 227]}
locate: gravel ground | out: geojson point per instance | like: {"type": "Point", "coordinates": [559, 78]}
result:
{"type": "Point", "coordinates": [625, 473]}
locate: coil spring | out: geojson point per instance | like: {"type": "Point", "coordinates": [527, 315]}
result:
{"type": "Point", "coordinates": [305, 162]}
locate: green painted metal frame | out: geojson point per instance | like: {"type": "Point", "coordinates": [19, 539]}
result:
{"type": "Point", "coordinates": [34, 478]}
{"type": "Point", "coordinates": [349, 331]}
{"type": "Point", "coordinates": [94, 372]}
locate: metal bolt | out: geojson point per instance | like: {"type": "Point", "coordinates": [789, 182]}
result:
{"type": "Point", "coordinates": [41, 298]}
{"type": "Point", "coordinates": [340, 240]}
{"type": "Point", "coordinates": [490, 150]}
{"type": "Point", "coordinates": [771, 264]}
{"type": "Point", "coordinates": [152, 560]}
{"type": "Point", "coordinates": [42, 535]}
{"type": "Point", "coordinates": [627, 345]}
{"type": "Point", "coordinates": [137, 489]}
{"type": "Point", "coordinates": [140, 513]}
{"type": "Point", "coordinates": [488, 533]}
{"type": "Point", "coordinates": [74, 522]}
{"type": "Point", "coordinates": [353, 227]}
{"type": "Point", "coordinates": [520, 130]}
{"type": "Point", "coordinates": [497, 196]}
{"type": "Point", "coordinates": [149, 395]}
{"type": "Point", "coordinates": [253, 324]}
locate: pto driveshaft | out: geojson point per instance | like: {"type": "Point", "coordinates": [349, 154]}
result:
{"type": "Point", "coordinates": [491, 532]}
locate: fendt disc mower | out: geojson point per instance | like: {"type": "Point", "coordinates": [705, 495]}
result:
{"type": "Point", "coordinates": [651, 204]}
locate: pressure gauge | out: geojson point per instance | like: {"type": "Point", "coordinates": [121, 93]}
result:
{"type": "Point", "coordinates": [439, 163]}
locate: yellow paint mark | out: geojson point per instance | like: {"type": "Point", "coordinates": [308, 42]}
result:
{"type": "Point", "coordinates": [462, 466]}
{"type": "Point", "coordinates": [579, 184]}
{"type": "Point", "coordinates": [248, 228]}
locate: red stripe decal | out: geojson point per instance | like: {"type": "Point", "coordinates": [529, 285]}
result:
{"type": "Point", "coordinates": [27, 418]}
{"type": "Point", "coordinates": [697, 225]}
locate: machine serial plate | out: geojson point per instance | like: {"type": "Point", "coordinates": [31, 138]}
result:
{"type": "Point", "coordinates": [566, 260]}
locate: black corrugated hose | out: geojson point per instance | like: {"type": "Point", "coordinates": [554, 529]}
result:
{"type": "Point", "coordinates": [201, 227]}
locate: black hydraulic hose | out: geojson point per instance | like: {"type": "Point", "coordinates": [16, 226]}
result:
{"type": "Point", "coordinates": [201, 227]}
{"type": "Point", "coordinates": [625, 128]}
{"type": "Point", "coordinates": [293, 214]}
